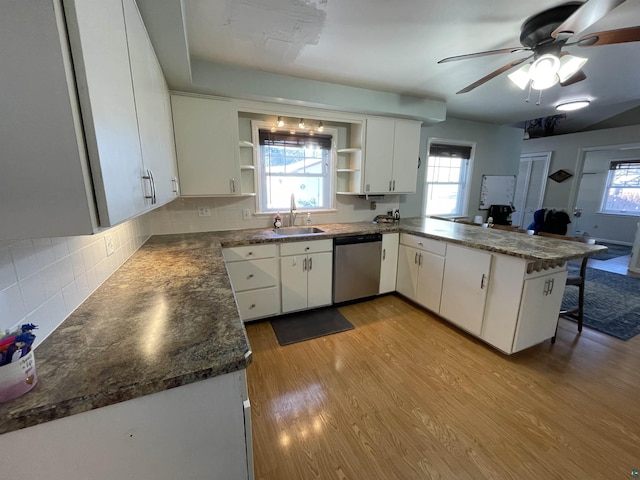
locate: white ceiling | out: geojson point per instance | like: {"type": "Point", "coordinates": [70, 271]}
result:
{"type": "Point", "coordinates": [394, 46]}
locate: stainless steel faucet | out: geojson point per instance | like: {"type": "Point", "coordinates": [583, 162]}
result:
{"type": "Point", "coordinates": [292, 211]}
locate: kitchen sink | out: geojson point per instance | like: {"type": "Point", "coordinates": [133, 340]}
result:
{"type": "Point", "coordinates": [285, 231]}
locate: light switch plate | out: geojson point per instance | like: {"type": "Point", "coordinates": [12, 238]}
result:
{"type": "Point", "coordinates": [246, 214]}
{"type": "Point", "coordinates": [108, 240]}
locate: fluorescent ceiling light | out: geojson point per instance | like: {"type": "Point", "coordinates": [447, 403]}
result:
{"type": "Point", "coordinates": [570, 65]}
{"type": "Point", "coordinates": [571, 106]}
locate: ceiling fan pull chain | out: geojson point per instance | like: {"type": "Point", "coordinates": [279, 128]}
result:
{"type": "Point", "coordinates": [528, 99]}
{"type": "Point", "coordinates": [539, 99]}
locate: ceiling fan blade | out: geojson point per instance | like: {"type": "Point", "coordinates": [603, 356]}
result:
{"type": "Point", "coordinates": [493, 74]}
{"type": "Point", "coordinates": [585, 16]}
{"type": "Point", "coordinates": [575, 78]}
{"type": "Point", "coordinates": [610, 37]}
{"type": "Point", "coordinates": [482, 54]}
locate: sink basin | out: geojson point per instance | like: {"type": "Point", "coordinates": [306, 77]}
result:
{"type": "Point", "coordinates": [297, 231]}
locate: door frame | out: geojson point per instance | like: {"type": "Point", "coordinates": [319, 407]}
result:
{"type": "Point", "coordinates": [547, 164]}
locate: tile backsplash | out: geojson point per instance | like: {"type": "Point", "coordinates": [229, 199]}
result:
{"type": "Point", "coordinates": [43, 280]}
{"type": "Point", "coordinates": [226, 213]}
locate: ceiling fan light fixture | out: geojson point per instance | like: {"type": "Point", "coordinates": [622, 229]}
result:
{"type": "Point", "coordinates": [573, 105]}
{"type": "Point", "coordinates": [521, 76]}
{"type": "Point", "coordinates": [569, 65]}
{"type": "Point", "coordinates": [544, 68]}
{"type": "Point", "coordinates": [545, 83]}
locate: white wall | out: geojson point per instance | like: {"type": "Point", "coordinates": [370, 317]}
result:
{"type": "Point", "coordinates": [568, 152]}
{"type": "Point", "coordinates": [497, 153]}
{"type": "Point", "coordinates": [43, 280]}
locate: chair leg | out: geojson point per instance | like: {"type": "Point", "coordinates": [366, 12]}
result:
{"type": "Point", "coordinates": [580, 305]}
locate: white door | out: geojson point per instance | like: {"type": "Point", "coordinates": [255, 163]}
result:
{"type": "Point", "coordinates": [293, 274]}
{"type": "Point", "coordinates": [389, 262]}
{"type": "Point", "coordinates": [407, 279]}
{"type": "Point", "coordinates": [319, 276]}
{"type": "Point", "coordinates": [530, 186]}
{"type": "Point", "coordinates": [430, 280]}
{"type": "Point", "coordinates": [464, 288]}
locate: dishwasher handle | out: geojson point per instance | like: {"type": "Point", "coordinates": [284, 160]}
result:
{"type": "Point", "coordinates": [366, 238]}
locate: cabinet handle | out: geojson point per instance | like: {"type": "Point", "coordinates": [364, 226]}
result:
{"type": "Point", "coordinates": [152, 189]}
{"type": "Point", "coordinates": [546, 287]}
{"type": "Point", "coordinates": [310, 263]}
{"type": "Point", "coordinates": [384, 254]}
{"type": "Point", "coordinates": [420, 243]}
{"type": "Point", "coordinates": [415, 260]}
{"type": "Point", "coordinates": [394, 185]}
{"type": "Point", "coordinates": [175, 187]}
{"type": "Point", "coordinates": [482, 281]}
{"type": "Point", "coordinates": [249, 254]}
{"type": "Point", "coordinates": [304, 265]}
{"type": "Point", "coordinates": [233, 185]}
{"type": "Point", "coordinates": [306, 249]}
{"type": "Point", "coordinates": [552, 281]}
{"type": "Point", "coordinates": [250, 276]}
{"type": "Point", "coordinates": [389, 185]}
{"type": "Point", "coordinates": [420, 260]}
{"type": "Point", "coordinates": [253, 305]}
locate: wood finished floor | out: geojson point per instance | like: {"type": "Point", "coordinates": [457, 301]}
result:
{"type": "Point", "coordinates": [407, 396]}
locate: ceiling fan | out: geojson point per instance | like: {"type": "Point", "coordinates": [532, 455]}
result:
{"type": "Point", "coordinates": [545, 35]}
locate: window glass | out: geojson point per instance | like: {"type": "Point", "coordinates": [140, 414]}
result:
{"type": "Point", "coordinates": [298, 164]}
{"type": "Point", "coordinates": [447, 180]}
{"type": "Point", "coordinates": [622, 192]}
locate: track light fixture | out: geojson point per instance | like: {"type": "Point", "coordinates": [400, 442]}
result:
{"type": "Point", "coordinates": [280, 122]}
{"type": "Point", "coordinates": [320, 127]}
{"type": "Point", "coordinates": [301, 123]}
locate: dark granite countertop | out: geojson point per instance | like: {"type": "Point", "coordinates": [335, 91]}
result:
{"type": "Point", "coordinates": [168, 317]}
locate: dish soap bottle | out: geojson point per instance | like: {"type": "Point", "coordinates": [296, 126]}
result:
{"type": "Point", "coordinates": [278, 221]}
{"type": "Point", "coordinates": [307, 221]}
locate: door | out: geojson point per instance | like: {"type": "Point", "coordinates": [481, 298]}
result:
{"type": "Point", "coordinates": [430, 272]}
{"type": "Point", "coordinates": [406, 148]}
{"type": "Point", "coordinates": [319, 274]}
{"type": "Point", "coordinates": [293, 274]}
{"type": "Point", "coordinates": [530, 187]}
{"type": "Point", "coordinates": [464, 288]}
{"type": "Point", "coordinates": [407, 280]}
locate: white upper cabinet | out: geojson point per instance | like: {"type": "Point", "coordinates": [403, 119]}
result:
{"type": "Point", "coordinates": [69, 168]}
{"type": "Point", "coordinates": [391, 155]}
{"type": "Point", "coordinates": [206, 135]}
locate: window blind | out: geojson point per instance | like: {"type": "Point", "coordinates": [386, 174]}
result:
{"type": "Point", "coordinates": [457, 151]}
{"type": "Point", "coordinates": [283, 139]}
{"type": "Point", "coordinates": [624, 164]}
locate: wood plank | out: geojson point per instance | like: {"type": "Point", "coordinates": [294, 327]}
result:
{"type": "Point", "coordinates": [408, 395]}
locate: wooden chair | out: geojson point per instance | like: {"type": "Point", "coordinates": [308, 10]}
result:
{"type": "Point", "coordinates": [576, 313]}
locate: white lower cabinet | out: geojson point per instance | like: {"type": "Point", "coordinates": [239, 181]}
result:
{"type": "Point", "coordinates": [420, 270]}
{"type": "Point", "coordinates": [198, 430]}
{"type": "Point", "coordinates": [389, 262]}
{"type": "Point", "coordinates": [255, 278]}
{"type": "Point", "coordinates": [306, 272]}
{"type": "Point", "coordinates": [464, 287]}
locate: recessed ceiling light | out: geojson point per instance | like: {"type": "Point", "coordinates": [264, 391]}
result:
{"type": "Point", "coordinates": [571, 106]}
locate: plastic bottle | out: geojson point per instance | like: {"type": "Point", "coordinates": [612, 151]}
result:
{"type": "Point", "coordinates": [307, 220]}
{"type": "Point", "coordinates": [277, 221]}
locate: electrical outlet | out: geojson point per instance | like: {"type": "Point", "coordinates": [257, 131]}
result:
{"type": "Point", "coordinates": [108, 240]}
{"type": "Point", "coordinates": [204, 211]}
{"type": "Point", "coordinates": [373, 205]}
{"type": "Point", "coordinates": [246, 214]}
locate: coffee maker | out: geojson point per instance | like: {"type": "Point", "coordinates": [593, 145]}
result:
{"type": "Point", "coordinates": [501, 214]}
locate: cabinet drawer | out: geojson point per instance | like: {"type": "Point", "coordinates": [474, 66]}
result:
{"type": "Point", "coordinates": [425, 244]}
{"type": "Point", "coordinates": [249, 252]}
{"type": "Point", "coordinates": [301, 248]}
{"type": "Point", "coordinates": [253, 274]}
{"type": "Point", "coordinates": [258, 303]}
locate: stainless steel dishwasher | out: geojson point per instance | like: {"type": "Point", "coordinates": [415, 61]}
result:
{"type": "Point", "coordinates": [356, 267]}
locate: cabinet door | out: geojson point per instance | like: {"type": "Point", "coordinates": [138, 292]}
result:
{"type": "Point", "coordinates": [154, 119]}
{"type": "Point", "coordinates": [319, 270]}
{"type": "Point", "coordinates": [389, 262]}
{"type": "Point", "coordinates": [430, 273]}
{"type": "Point", "coordinates": [98, 39]}
{"type": "Point", "coordinates": [539, 310]}
{"type": "Point", "coordinates": [407, 279]}
{"type": "Point", "coordinates": [464, 288]}
{"type": "Point", "coordinates": [206, 145]}
{"type": "Point", "coordinates": [406, 148]}
{"type": "Point", "coordinates": [378, 155]}
{"type": "Point", "coordinates": [293, 277]}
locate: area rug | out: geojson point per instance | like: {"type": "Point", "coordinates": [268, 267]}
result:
{"type": "Point", "coordinates": [611, 302]}
{"type": "Point", "coordinates": [614, 251]}
{"type": "Point", "coordinates": [298, 327]}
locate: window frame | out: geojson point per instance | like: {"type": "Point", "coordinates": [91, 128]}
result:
{"type": "Point", "coordinates": [608, 186]}
{"type": "Point", "coordinates": [261, 189]}
{"type": "Point", "coordinates": [463, 201]}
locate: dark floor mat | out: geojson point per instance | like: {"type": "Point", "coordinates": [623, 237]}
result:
{"type": "Point", "coordinates": [298, 327]}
